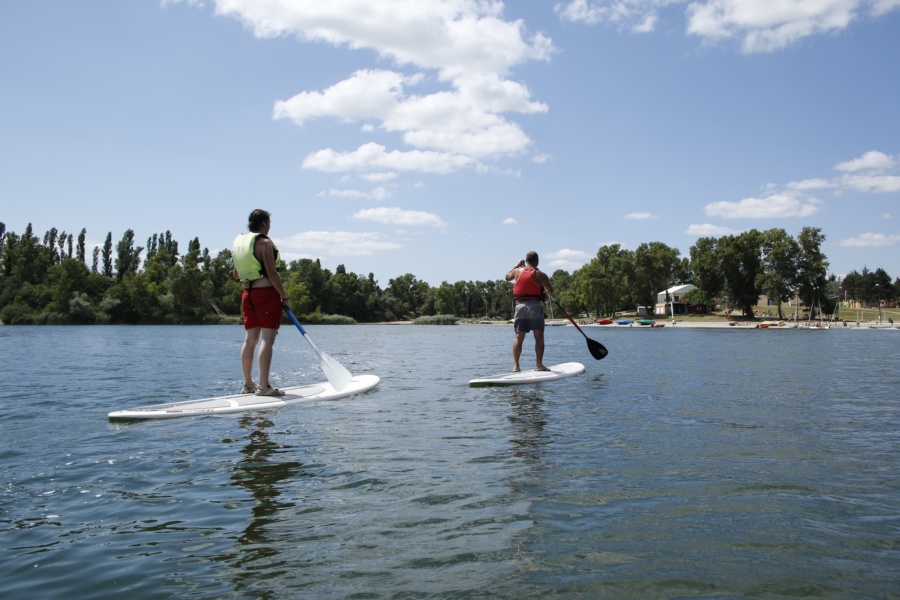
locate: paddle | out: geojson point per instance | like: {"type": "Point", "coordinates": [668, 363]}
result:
{"type": "Point", "coordinates": [596, 349]}
{"type": "Point", "coordinates": [334, 371]}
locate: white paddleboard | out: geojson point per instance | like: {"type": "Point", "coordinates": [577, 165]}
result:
{"type": "Point", "coordinates": [243, 402]}
{"type": "Point", "coordinates": [555, 372]}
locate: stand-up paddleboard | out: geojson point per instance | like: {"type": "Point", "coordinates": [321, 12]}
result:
{"type": "Point", "coordinates": [555, 372]}
{"type": "Point", "coordinates": [243, 402]}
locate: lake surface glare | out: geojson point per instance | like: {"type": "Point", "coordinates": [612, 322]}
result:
{"type": "Point", "coordinates": [689, 463]}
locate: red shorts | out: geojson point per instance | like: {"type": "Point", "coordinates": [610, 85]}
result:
{"type": "Point", "coordinates": [261, 308]}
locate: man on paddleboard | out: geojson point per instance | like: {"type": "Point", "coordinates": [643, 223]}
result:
{"type": "Point", "coordinates": [530, 284]}
{"type": "Point", "coordinates": [255, 258]}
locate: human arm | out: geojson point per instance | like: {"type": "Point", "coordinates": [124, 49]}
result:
{"type": "Point", "coordinates": [541, 278]}
{"type": "Point", "coordinates": [268, 261]}
{"type": "Point", "coordinates": [514, 272]}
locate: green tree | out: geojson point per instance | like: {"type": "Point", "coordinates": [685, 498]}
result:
{"type": "Point", "coordinates": [812, 266]}
{"type": "Point", "coordinates": [81, 242]}
{"type": "Point", "coordinates": [780, 254]}
{"type": "Point", "coordinates": [656, 267]}
{"type": "Point", "coordinates": [65, 280]}
{"type": "Point", "coordinates": [741, 264]}
{"type": "Point", "coordinates": [706, 267]}
{"type": "Point", "coordinates": [408, 295]}
{"type": "Point", "coordinates": [444, 299]}
{"type": "Point", "coordinates": [310, 274]}
{"type": "Point", "coordinates": [127, 256]}
{"type": "Point", "coordinates": [882, 287]}
{"type": "Point", "coordinates": [107, 256]}
{"type": "Point", "coordinates": [603, 283]}
{"type": "Point", "coordinates": [191, 290]}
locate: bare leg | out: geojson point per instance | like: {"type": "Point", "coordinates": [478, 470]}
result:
{"type": "Point", "coordinates": [539, 349]}
{"type": "Point", "coordinates": [517, 349]}
{"type": "Point", "coordinates": [250, 339]}
{"type": "Point", "coordinates": [265, 356]}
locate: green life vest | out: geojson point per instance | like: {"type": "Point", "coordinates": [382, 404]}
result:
{"type": "Point", "coordinates": [248, 266]}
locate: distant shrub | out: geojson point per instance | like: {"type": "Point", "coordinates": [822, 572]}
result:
{"type": "Point", "coordinates": [17, 313]}
{"type": "Point", "coordinates": [81, 310]}
{"type": "Point", "coordinates": [436, 320]}
{"type": "Point", "coordinates": [319, 318]}
{"type": "Point", "coordinates": [49, 317]}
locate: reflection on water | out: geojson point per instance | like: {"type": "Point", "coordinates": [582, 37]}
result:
{"type": "Point", "coordinates": [260, 472]}
{"type": "Point", "coordinates": [686, 464]}
{"type": "Point", "coordinates": [528, 419]}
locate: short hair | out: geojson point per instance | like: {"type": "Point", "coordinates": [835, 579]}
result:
{"type": "Point", "coordinates": [256, 219]}
{"type": "Point", "coordinates": [531, 257]}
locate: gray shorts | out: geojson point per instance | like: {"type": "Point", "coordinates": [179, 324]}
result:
{"type": "Point", "coordinates": [529, 316]}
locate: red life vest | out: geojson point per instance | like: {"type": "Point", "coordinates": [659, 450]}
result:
{"type": "Point", "coordinates": [526, 288]}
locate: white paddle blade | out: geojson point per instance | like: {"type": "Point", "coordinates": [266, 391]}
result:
{"type": "Point", "coordinates": [337, 375]}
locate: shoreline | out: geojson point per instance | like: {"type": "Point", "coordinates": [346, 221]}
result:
{"type": "Point", "coordinates": [737, 324]}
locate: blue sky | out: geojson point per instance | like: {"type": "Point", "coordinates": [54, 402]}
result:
{"type": "Point", "coordinates": [445, 139]}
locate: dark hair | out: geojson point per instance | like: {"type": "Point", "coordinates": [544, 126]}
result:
{"type": "Point", "coordinates": [256, 219]}
{"type": "Point", "coordinates": [532, 258]}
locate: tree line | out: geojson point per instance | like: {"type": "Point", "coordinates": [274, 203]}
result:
{"type": "Point", "coordinates": [52, 280]}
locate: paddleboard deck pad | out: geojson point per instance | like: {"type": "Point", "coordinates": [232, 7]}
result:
{"type": "Point", "coordinates": [555, 372]}
{"type": "Point", "coordinates": [244, 402]}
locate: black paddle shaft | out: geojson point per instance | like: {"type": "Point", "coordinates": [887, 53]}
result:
{"type": "Point", "coordinates": [597, 350]}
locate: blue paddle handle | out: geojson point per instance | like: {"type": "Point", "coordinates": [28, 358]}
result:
{"type": "Point", "coordinates": [294, 319]}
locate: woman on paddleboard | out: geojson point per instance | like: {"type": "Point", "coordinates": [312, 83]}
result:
{"type": "Point", "coordinates": [255, 258]}
{"type": "Point", "coordinates": [530, 284]}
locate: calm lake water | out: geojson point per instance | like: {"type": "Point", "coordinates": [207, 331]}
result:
{"type": "Point", "coordinates": [689, 463]}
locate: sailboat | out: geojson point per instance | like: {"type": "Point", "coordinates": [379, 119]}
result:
{"type": "Point", "coordinates": [818, 325]}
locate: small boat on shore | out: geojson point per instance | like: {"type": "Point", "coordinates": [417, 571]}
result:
{"type": "Point", "coordinates": [603, 322]}
{"type": "Point", "coordinates": [624, 322]}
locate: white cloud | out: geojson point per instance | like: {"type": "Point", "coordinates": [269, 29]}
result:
{"type": "Point", "coordinates": [375, 157]}
{"type": "Point", "coordinates": [768, 26]}
{"type": "Point", "coordinates": [459, 52]}
{"type": "Point", "coordinates": [399, 216]}
{"type": "Point", "coordinates": [762, 26]}
{"type": "Point", "coordinates": [871, 240]}
{"type": "Point", "coordinates": [569, 255]}
{"type": "Point", "coordinates": [872, 160]}
{"type": "Point", "coordinates": [633, 13]}
{"type": "Point", "coordinates": [811, 184]}
{"type": "Point", "coordinates": [867, 174]}
{"type": "Point", "coordinates": [708, 230]}
{"type": "Point", "coordinates": [378, 193]}
{"type": "Point", "coordinates": [882, 7]}
{"type": "Point", "coordinates": [510, 221]}
{"type": "Point", "coordinates": [365, 95]}
{"type": "Point", "coordinates": [197, 3]}
{"type": "Point", "coordinates": [565, 265]}
{"type": "Point", "coordinates": [648, 25]}
{"type": "Point", "coordinates": [354, 194]}
{"type": "Point", "coordinates": [640, 216]}
{"type": "Point", "coordinates": [378, 177]}
{"type": "Point", "coordinates": [336, 243]}
{"type": "Point", "coordinates": [776, 206]}
{"type": "Point", "coordinates": [872, 183]}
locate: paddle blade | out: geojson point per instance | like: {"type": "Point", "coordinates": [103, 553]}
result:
{"type": "Point", "coordinates": [337, 374]}
{"type": "Point", "coordinates": [596, 349]}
